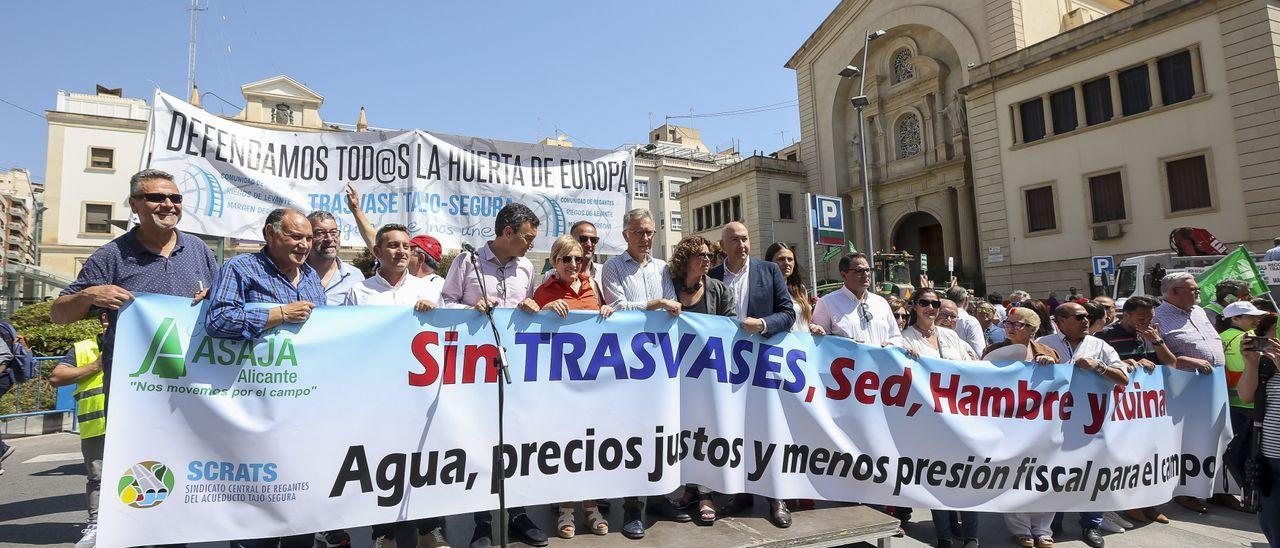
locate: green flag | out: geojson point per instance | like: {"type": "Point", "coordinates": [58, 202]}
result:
{"type": "Point", "coordinates": [837, 251]}
{"type": "Point", "coordinates": [1237, 265]}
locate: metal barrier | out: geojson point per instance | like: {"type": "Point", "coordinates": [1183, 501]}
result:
{"type": "Point", "coordinates": [38, 385]}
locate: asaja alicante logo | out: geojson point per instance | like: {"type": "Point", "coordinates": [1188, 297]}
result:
{"type": "Point", "coordinates": [146, 484]}
{"type": "Point", "coordinates": [165, 358]}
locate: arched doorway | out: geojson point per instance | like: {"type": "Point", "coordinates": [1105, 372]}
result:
{"type": "Point", "coordinates": [919, 233]}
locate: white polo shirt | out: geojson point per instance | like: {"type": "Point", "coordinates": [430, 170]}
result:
{"type": "Point", "coordinates": [411, 289]}
{"type": "Point", "coordinates": [840, 313]}
{"type": "Point", "coordinates": [1091, 347]}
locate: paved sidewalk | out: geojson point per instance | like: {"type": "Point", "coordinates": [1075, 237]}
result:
{"type": "Point", "coordinates": [42, 504]}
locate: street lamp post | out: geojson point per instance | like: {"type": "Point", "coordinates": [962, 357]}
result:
{"type": "Point", "coordinates": [860, 102]}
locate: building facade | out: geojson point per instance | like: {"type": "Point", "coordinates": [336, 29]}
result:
{"type": "Point", "coordinates": [765, 193]}
{"type": "Point", "coordinates": [919, 161]}
{"type": "Point", "coordinates": [674, 158]}
{"type": "Point", "coordinates": [1105, 138]}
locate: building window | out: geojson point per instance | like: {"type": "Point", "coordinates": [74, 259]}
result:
{"type": "Point", "coordinates": [675, 189]}
{"type": "Point", "coordinates": [1106, 194]}
{"type": "Point", "coordinates": [282, 114]}
{"type": "Point", "coordinates": [1135, 91]}
{"type": "Point", "coordinates": [737, 208]}
{"type": "Point", "coordinates": [1063, 107]}
{"type": "Point", "coordinates": [1032, 113]}
{"type": "Point", "coordinates": [785, 212]}
{"type": "Point", "coordinates": [96, 219]}
{"type": "Point", "coordinates": [793, 157]}
{"type": "Point", "coordinates": [908, 131]}
{"type": "Point", "coordinates": [1040, 214]}
{"type": "Point", "coordinates": [642, 188]}
{"type": "Point", "coordinates": [677, 221]}
{"type": "Point", "coordinates": [1188, 180]}
{"type": "Point", "coordinates": [699, 224]}
{"type": "Point", "coordinates": [1176, 83]}
{"type": "Point", "coordinates": [102, 158]}
{"type": "Point", "coordinates": [1097, 101]}
{"type": "Point", "coordinates": [902, 69]}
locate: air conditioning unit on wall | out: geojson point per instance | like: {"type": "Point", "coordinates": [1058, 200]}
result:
{"type": "Point", "coordinates": [1108, 231]}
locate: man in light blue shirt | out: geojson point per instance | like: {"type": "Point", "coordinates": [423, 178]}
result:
{"type": "Point", "coordinates": [337, 276]}
{"type": "Point", "coordinates": [1273, 254]}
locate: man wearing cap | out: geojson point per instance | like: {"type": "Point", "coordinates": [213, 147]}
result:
{"type": "Point", "coordinates": [424, 262]}
{"type": "Point", "coordinates": [989, 321]}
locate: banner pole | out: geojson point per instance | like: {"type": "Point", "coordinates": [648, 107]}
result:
{"type": "Point", "coordinates": [813, 259]}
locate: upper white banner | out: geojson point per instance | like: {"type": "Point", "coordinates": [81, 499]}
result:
{"type": "Point", "coordinates": [447, 186]}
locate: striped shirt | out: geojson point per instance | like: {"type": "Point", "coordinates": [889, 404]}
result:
{"type": "Point", "coordinates": [629, 285]}
{"type": "Point", "coordinates": [1189, 333]}
{"type": "Point", "coordinates": [1271, 420]}
{"type": "Point", "coordinates": [253, 278]}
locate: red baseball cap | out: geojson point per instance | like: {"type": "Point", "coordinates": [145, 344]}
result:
{"type": "Point", "coordinates": [427, 244]}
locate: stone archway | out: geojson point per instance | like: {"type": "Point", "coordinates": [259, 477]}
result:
{"type": "Point", "coordinates": [918, 233]}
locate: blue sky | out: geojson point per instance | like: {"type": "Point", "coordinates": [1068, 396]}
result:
{"type": "Point", "coordinates": [506, 70]}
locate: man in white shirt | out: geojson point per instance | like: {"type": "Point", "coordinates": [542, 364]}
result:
{"type": "Point", "coordinates": [424, 262]}
{"type": "Point", "coordinates": [853, 311]}
{"type": "Point", "coordinates": [392, 284]}
{"type": "Point", "coordinates": [1074, 345]}
{"type": "Point", "coordinates": [967, 326]}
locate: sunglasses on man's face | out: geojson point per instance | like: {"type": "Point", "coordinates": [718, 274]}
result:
{"type": "Point", "coordinates": [1078, 317]}
{"type": "Point", "coordinates": [589, 239]}
{"type": "Point", "coordinates": [860, 271]}
{"type": "Point", "coordinates": [159, 197]}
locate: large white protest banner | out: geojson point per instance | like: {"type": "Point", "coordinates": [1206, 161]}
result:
{"type": "Point", "coordinates": [376, 414]}
{"type": "Point", "coordinates": [448, 186]}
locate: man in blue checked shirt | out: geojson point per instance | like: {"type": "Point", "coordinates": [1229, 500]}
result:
{"type": "Point", "coordinates": [276, 274]}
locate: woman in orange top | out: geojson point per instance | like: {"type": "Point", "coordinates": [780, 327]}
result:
{"type": "Point", "coordinates": [570, 288]}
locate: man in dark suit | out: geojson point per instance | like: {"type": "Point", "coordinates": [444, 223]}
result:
{"type": "Point", "coordinates": [765, 306]}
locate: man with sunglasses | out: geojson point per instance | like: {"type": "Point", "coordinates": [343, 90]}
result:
{"type": "Point", "coordinates": [1075, 345]}
{"type": "Point", "coordinates": [854, 311]}
{"type": "Point", "coordinates": [153, 257]}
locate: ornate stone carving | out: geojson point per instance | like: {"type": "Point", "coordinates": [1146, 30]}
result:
{"type": "Point", "coordinates": [902, 68]}
{"type": "Point", "coordinates": [908, 135]}
{"type": "Point", "coordinates": [956, 116]}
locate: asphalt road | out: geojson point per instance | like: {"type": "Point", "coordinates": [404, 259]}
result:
{"type": "Point", "coordinates": [42, 504]}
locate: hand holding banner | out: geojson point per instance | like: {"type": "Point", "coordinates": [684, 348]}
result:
{"type": "Point", "coordinates": [247, 438]}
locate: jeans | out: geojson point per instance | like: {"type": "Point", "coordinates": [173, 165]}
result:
{"type": "Point", "coordinates": [91, 449]}
{"type": "Point", "coordinates": [1269, 514]}
{"type": "Point", "coordinates": [968, 524]}
{"type": "Point", "coordinates": [1087, 519]}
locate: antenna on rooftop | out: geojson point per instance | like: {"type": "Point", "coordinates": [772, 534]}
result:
{"type": "Point", "coordinates": [195, 9]}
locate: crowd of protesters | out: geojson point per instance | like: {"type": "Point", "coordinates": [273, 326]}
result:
{"type": "Point", "coordinates": [298, 269]}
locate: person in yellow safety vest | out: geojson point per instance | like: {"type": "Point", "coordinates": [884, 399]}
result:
{"type": "Point", "coordinates": [83, 366]}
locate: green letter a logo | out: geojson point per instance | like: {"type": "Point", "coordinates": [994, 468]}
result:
{"type": "Point", "coordinates": [164, 357]}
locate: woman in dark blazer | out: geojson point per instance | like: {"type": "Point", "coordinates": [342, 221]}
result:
{"type": "Point", "coordinates": [697, 292]}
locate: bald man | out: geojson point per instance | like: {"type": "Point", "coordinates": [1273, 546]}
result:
{"type": "Point", "coordinates": [764, 304]}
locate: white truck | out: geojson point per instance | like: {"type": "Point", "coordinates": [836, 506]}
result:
{"type": "Point", "coordinates": [1134, 276]}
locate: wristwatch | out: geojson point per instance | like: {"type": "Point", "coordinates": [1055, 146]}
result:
{"type": "Point", "coordinates": [1158, 342]}
{"type": "Point", "coordinates": [1099, 368]}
